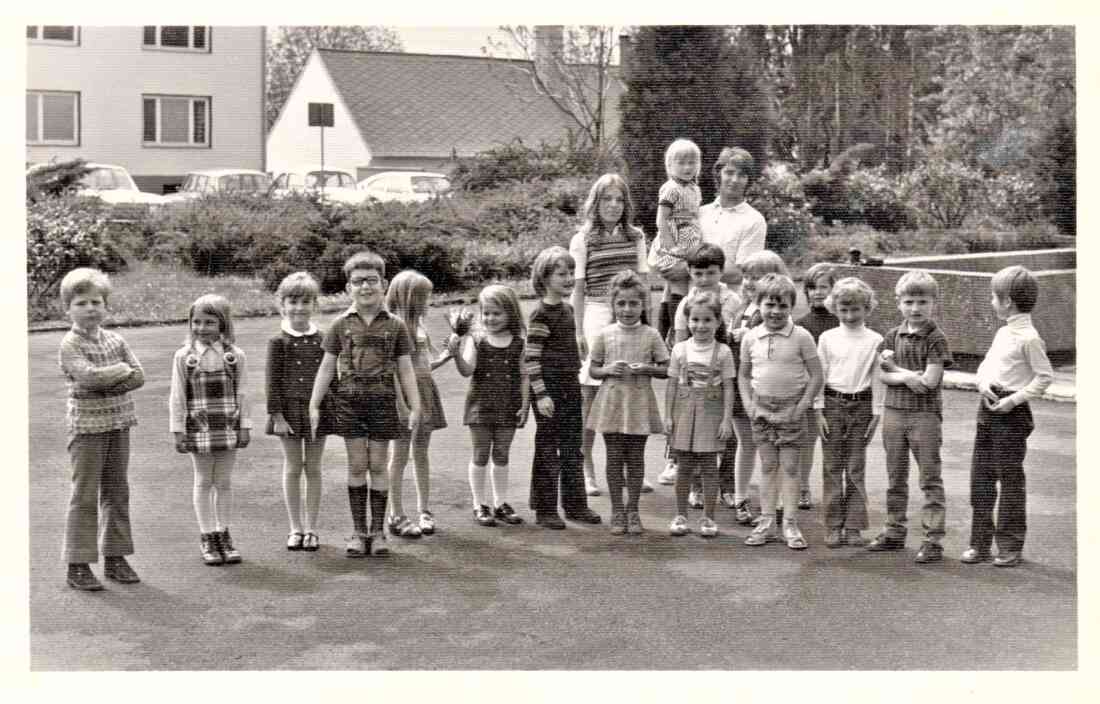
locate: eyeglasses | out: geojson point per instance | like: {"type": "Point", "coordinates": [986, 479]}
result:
{"type": "Point", "coordinates": [369, 281]}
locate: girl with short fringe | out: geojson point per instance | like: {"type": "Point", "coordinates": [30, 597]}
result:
{"type": "Point", "coordinates": [626, 355]}
{"type": "Point", "coordinates": [606, 243]}
{"type": "Point", "coordinates": [497, 402]}
{"type": "Point", "coordinates": [407, 299]}
{"type": "Point", "coordinates": [209, 415]}
{"type": "Point", "coordinates": [293, 357]}
{"type": "Point", "coordinates": [698, 403]}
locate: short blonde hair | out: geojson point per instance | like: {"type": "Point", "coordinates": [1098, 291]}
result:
{"type": "Point", "coordinates": [545, 263]}
{"type": "Point", "coordinates": [917, 283]}
{"type": "Point", "coordinates": [506, 298]}
{"type": "Point", "coordinates": [300, 284]}
{"type": "Point", "coordinates": [680, 147]}
{"type": "Point", "coordinates": [84, 280]}
{"type": "Point", "coordinates": [217, 306]}
{"type": "Point", "coordinates": [763, 262]}
{"type": "Point", "coordinates": [777, 286]}
{"type": "Point", "coordinates": [367, 261]}
{"type": "Point", "coordinates": [851, 290]}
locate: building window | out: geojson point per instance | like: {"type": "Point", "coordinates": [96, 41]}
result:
{"type": "Point", "coordinates": [53, 34]}
{"type": "Point", "coordinates": [176, 38]}
{"type": "Point", "coordinates": [53, 117]}
{"type": "Point", "coordinates": [175, 121]}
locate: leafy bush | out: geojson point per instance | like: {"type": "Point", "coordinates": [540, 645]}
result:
{"type": "Point", "coordinates": [943, 192]}
{"type": "Point", "coordinates": [63, 233]}
{"type": "Point", "coordinates": [517, 162]}
{"type": "Point", "coordinates": [1013, 198]}
{"type": "Point", "coordinates": [874, 198]}
{"type": "Point", "coordinates": [778, 195]}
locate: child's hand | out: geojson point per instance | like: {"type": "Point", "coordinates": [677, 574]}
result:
{"type": "Point", "coordinates": [521, 416]}
{"type": "Point", "coordinates": [1002, 405]}
{"type": "Point", "coordinates": [244, 436]}
{"type": "Point", "coordinates": [638, 368]}
{"type": "Point", "coordinates": [736, 334]}
{"type": "Point", "coordinates": [314, 420]}
{"type": "Point", "coordinates": [871, 427]}
{"type": "Point", "coordinates": [452, 344]}
{"type": "Point", "coordinates": [668, 426]}
{"type": "Point", "coordinates": [545, 406]}
{"type": "Point", "coordinates": [582, 346]}
{"type": "Point", "coordinates": [916, 383]}
{"type": "Point", "coordinates": [987, 394]}
{"type": "Point", "coordinates": [822, 423]}
{"type": "Point", "coordinates": [279, 425]}
{"type": "Point", "coordinates": [725, 430]}
{"type": "Point", "coordinates": [179, 444]}
{"type": "Point", "coordinates": [414, 420]}
{"type": "Point", "coordinates": [886, 361]}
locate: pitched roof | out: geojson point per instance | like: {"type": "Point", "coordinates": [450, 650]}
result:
{"type": "Point", "coordinates": [427, 105]}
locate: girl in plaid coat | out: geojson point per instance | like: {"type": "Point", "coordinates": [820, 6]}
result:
{"type": "Point", "coordinates": [209, 416]}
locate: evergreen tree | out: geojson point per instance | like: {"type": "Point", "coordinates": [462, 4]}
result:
{"type": "Point", "coordinates": [692, 82]}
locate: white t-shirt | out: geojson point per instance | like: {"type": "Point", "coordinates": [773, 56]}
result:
{"type": "Point", "coordinates": [849, 360]}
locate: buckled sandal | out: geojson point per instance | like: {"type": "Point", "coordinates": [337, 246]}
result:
{"type": "Point", "coordinates": [294, 540]}
{"type": "Point", "coordinates": [310, 541]}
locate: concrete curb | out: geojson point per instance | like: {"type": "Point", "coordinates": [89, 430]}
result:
{"type": "Point", "coordinates": [1059, 391]}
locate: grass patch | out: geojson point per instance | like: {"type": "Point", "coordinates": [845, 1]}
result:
{"type": "Point", "coordinates": [150, 293]}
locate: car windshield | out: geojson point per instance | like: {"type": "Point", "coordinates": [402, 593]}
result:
{"type": "Point", "coordinates": [195, 182]}
{"type": "Point", "coordinates": [430, 184]}
{"type": "Point", "coordinates": [330, 179]}
{"type": "Point", "coordinates": [247, 183]}
{"type": "Point", "coordinates": [104, 179]}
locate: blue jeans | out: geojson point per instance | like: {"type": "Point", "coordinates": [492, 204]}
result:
{"type": "Point", "coordinates": [921, 433]}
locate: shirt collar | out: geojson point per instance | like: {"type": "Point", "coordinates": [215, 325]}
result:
{"type": "Point", "coordinates": [730, 208]}
{"type": "Point", "coordinates": [1020, 320]}
{"type": "Point", "coordinates": [97, 337]}
{"type": "Point", "coordinates": [352, 310]}
{"type": "Point", "coordinates": [628, 327]}
{"type": "Point", "coordinates": [285, 326]}
{"type": "Point", "coordinates": [924, 330]}
{"type": "Point", "coordinates": [762, 330]}
{"type": "Point", "coordinates": [201, 347]}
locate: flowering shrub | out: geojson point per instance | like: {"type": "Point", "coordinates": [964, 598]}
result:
{"type": "Point", "coordinates": [778, 195]}
{"type": "Point", "coordinates": [1013, 198]}
{"type": "Point", "coordinates": [874, 198]}
{"type": "Point", "coordinates": [943, 192]}
{"type": "Point", "coordinates": [62, 233]}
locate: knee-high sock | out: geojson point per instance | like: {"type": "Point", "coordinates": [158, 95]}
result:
{"type": "Point", "coordinates": [500, 483]}
{"type": "Point", "coordinates": [357, 500]}
{"type": "Point", "coordinates": [378, 501]}
{"type": "Point", "coordinates": [477, 483]}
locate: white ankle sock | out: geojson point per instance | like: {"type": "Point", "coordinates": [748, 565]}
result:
{"type": "Point", "coordinates": [477, 483]}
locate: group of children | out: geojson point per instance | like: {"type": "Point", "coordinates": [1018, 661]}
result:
{"type": "Point", "coordinates": [739, 370]}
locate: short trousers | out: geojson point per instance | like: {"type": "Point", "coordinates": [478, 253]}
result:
{"type": "Point", "coordinates": [364, 407]}
{"type": "Point", "coordinates": [774, 421]}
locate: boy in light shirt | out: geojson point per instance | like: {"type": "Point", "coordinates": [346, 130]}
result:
{"type": "Point", "coordinates": [1014, 372]}
{"type": "Point", "coordinates": [848, 410]}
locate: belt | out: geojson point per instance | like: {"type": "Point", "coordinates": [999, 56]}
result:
{"type": "Point", "coordinates": [830, 391]}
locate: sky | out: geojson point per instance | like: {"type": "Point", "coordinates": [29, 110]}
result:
{"type": "Point", "coordinates": [466, 41]}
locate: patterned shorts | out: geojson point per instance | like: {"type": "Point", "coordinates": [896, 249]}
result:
{"type": "Point", "coordinates": [774, 421]}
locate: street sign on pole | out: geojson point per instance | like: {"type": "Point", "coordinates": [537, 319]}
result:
{"type": "Point", "coordinates": [320, 115]}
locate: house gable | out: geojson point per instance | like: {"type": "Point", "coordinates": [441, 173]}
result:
{"type": "Point", "coordinates": [429, 106]}
{"type": "Point", "coordinates": [292, 142]}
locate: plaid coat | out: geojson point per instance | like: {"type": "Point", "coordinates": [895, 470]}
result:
{"type": "Point", "coordinates": [213, 407]}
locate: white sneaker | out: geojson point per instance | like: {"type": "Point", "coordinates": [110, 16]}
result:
{"type": "Point", "coordinates": [793, 536]}
{"type": "Point", "coordinates": [708, 528]}
{"type": "Point", "coordinates": [679, 526]}
{"type": "Point", "coordinates": [764, 532]}
{"type": "Point", "coordinates": [695, 499]}
{"type": "Point", "coordinates": [728, 499]}
{"type": "Point", "coordinates": [590, 487]}
{"type": "Point", "coordinates": [668, 475]}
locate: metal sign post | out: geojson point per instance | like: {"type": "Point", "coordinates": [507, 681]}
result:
{"type": "Point", "coordinates": [321, 115]}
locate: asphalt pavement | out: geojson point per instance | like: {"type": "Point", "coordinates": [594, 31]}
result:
{"type": "Point", "coordinates": [525, 598]}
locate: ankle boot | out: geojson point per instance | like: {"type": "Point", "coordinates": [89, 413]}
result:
{"type": "Point", "coordinates": [231, 555]}
{"type": "Point", "coordinates": [210, 546]}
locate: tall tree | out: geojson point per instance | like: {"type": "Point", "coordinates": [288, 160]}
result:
{"type": "Point", "coordinates": [692, 82]}
{"type": "Point", "coordinates": [570, 65]}
{"type": "Point", "coordinates": [290, 48]}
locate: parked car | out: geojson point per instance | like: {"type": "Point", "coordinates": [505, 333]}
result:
{"type": "Point", "coordinates": [112, 184]}
{"type": "Point", "coordinates": [336, 185]}
{"type": "Point", "coordinates": [212, 181]}
{"type": "Point", "coordinates": [406, 186]}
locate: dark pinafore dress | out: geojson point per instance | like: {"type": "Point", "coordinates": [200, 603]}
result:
{"type": "Point", "coordinates": [494, 396]}
{"type": "Point", "coordinates": [213, 412]}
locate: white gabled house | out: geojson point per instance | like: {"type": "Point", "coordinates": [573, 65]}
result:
{"type": "Point", "coordinates": [399, 111]}
{"type": "Point", "coordinates": [158, 100]}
